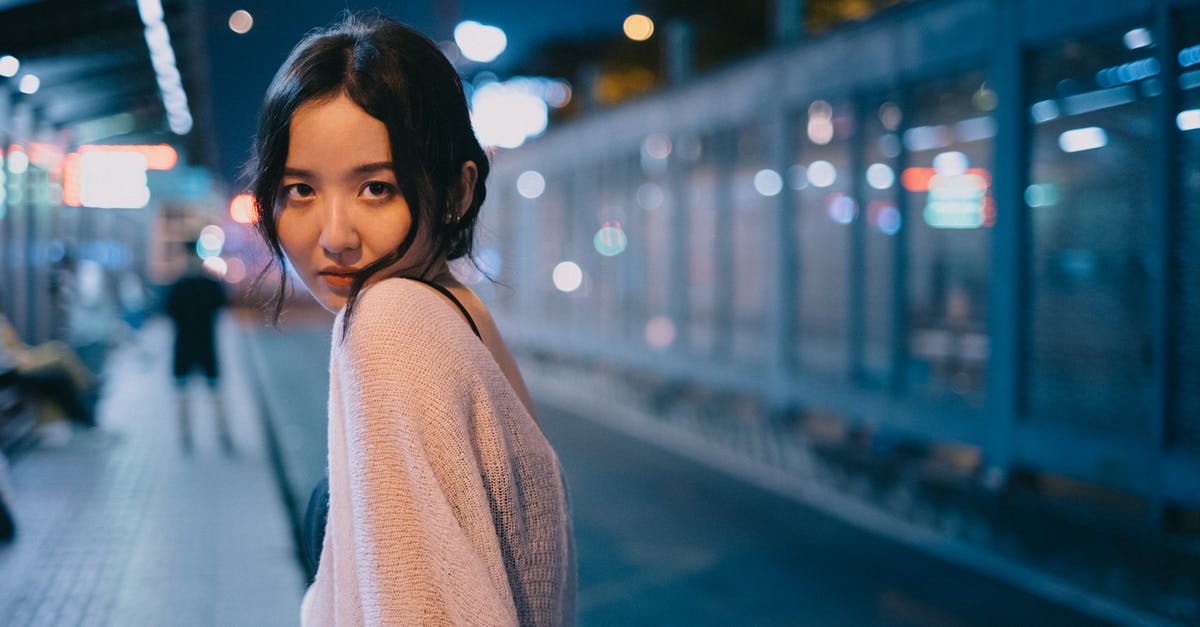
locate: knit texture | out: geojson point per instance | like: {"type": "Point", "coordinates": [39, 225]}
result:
{"type": "Point", "coordinates": [447, 504]}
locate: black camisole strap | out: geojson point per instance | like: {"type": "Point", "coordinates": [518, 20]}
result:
{"type": "Point", "coordinates": [448, 294]}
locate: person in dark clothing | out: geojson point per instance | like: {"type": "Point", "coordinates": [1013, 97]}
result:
{"type": "Point", "coordinates": [193, 303]}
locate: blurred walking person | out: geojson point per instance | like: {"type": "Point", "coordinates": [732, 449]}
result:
{"type": "Point", "coordinates": [193, 303]}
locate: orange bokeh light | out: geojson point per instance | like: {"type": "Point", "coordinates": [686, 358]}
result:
{"type": "Point", "coordinates": [72, 193]}
{"type": "Point", "coordinates": [158, 156]}
{"type": "Point", "coordinates": [917, 179]}
{"type": "Point", "coordinates": [242, 209]}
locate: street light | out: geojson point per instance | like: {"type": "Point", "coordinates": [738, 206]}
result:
{"type": "Point", "coordinates": [479, 42]}
{"type": "Point", "coordinates": [638, 27]}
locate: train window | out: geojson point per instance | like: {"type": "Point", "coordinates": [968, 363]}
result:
{"type": "Point", "coordinates": [947, 139]}
{"type": "Point", "coordinates": [654, 217]}
{"type": "Point", "coordinates": [880, 199]}
{"type": "Point", "coordinates": [603, 225]}
{"type": "Point", "coordinates": [551, 210]}
{"type": "Point", "coordinates": [1088, 202]}
{"type": "Point", "coordinates": [1185, 296]}
{"type": "Point", "coordinates": [755, 184]}
{"type": "Point", "coordinates": [821, 179]}
{"type": "Point", "coordinates": [702, 184]}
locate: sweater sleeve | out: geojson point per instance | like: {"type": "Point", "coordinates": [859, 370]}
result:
{"type": "Point", "coordinates": [424, 541]}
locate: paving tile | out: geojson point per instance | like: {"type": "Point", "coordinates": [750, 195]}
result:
{"type": "Point", "coordinates": [120, 527]}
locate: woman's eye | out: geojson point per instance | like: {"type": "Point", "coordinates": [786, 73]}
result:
{"type": "Point", "coordinates": [378, 189]}
{"type": "Point", "coordinates": [297, 191]}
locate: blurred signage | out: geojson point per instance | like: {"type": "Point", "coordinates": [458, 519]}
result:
{"type": "Point", "coordinates": [113, 176]}
{"type": "Point", "coordinates": [955, 201]}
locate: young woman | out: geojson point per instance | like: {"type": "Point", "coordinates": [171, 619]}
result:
{"type": "Point", "coordinates": [446, 503]}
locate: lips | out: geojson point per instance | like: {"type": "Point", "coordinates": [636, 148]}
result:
{"type": "Point", "coordinates": [338, 277]}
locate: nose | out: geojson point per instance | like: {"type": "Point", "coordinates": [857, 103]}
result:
{"type": "Point", "coordinates": [339, 233]}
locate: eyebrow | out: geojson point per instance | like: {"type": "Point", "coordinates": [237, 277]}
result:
{"type": "Point", "coordinates": [365, 168]}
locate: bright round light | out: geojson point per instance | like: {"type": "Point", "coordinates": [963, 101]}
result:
{"type": "Point", "coordinates": [9, 65]}
{"type": "Point", "coordinates": [880, 176]}
{"type": "Point", "coordinates": [18, 162]}
{"type": "Point", "coordinates": [216, 266]}
{"type": "Point", "coordinates": [531, 184]}
{"type": "Point", "coordinates": [768, 182]}
{"type": "Point", "coordinates": [479, 42]}
{"type": "Point", "coordinates": [820, 130]}
{"type": "Point", "coordinates": [610, 240]}
{"type": "Point", "coordinates": [242, 210]}
{"type": "Point", "coordinates": [241, 22]}
{"type": "Point", "coordinates": [567, 276]}
{"type": "Point", "coordinates": [505, 115]}
{"type": "Point", "coordinates": [660, 332]}
{"type": "Point", "coordinates": [822, 173]}
{"type": "Point", "coordinates": [29, 84]}
{"type": "Point", "coordinates": [951, 163]}
{"type": "Point", "coordinates": [557, 93]}
{"type": "Point", "coordinates": [212, 237]}
{"type": "Point", "coordinates": [638, 27]}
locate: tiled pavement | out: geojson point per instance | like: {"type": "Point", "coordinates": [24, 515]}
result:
{"type": "Point", "coordinates": [118, 527]}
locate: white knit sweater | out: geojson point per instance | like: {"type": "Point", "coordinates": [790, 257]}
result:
{"type": "Point", "coordinates": [447, 505]}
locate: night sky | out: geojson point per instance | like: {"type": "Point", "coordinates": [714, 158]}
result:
{"type": "Point", "coordinates": [241, 66]}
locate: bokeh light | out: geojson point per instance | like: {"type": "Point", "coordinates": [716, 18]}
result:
{"type": "Point", "coordinates": [29, 84]}
{"type": "Point", "coordinates": [479, 42]}
{"type": "Point", "coordinates": [768, 182]}
{"type": "Point", "coordinates": [18, 160]}
{"type": "Point", "coordinates": [241, 22]}
{"type": "Point", "coordinates": [657, 146]}
{"type": "Point", "coordinates": [505, 115]}
{"type": "Point", "coordinates": [212, 237]}
{"type": "Point", "coordinates": [242, 210]}
{"type": "Point", "coordinates": [888, 220]}
{"type": "Point", "coordinates": [216, 266]}
{"type": "Point", "coordinates": [531, 184]}
{"type": "Point", "coordinates": [841, 208]}
{"type": "Point", "coordinates": [235, 270]}
{"type": "Point", "coordinates": [1081, 139]}
{"type": "Point", "coordinates": [567, 276]}
{"type": "Point", "coordinates": [638, 27]}
{"type": "Point", "coordinates": [660, 332]}
{"type": "Point", "coordinates": [880, 176]}
{"type": "Point", "coordinates": [951, 163]}
{"type": "Point", "coordinates": [610, 240]}
{"type": "Point", "coordinates": [822, 173]}
{"type": "Point", "coordinates": [9, 65]}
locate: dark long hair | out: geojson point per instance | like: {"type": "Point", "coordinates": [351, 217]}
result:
{"type": "Point", "coordinates": [401, 78]}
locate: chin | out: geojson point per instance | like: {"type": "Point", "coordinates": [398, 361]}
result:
{"type": "Point", "coordinates": [331, 301]}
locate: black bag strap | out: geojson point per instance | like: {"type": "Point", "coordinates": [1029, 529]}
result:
{"type": "Point", "coordinates": [448, 294]}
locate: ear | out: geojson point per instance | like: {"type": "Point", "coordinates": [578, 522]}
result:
{"type": "Point", "coordinates": [470, 174]}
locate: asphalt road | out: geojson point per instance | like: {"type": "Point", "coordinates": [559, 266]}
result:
{"type": "Point", "coordinates": [664, 541]}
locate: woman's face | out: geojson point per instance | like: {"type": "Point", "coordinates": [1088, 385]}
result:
{"type": "Point", "coordinates": [339, 206]}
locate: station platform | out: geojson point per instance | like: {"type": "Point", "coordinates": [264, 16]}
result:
{"type": "Point", "coordinates": [119, 527]}
{"type": "Point", "coordinates": [116, 525]}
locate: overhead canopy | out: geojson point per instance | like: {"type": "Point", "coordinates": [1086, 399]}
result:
{"type": "Point", "coordinates": [95, 73]}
